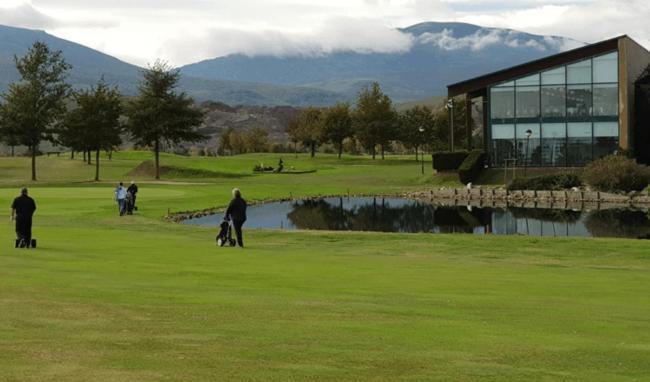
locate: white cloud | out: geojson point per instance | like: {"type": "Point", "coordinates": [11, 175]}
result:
{"type": "Point", "coordinates": [189, 30]}
{"type": "Point", "coordinates": [360, 35]}
{"type": "Point", "coordinates": [24, 15]}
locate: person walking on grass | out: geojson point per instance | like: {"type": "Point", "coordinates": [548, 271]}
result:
{"type": "Point", "coordinates": [237, 213]}
{"type": "Point", "coordinates": [133, 191]}
{"type": "Point", "coordinates": [22, 211]}
{"type": "Point", "coordinates": [120, 197]}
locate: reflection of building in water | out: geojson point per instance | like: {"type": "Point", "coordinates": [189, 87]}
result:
{"type": "Point", "coordinates": [556, 223]}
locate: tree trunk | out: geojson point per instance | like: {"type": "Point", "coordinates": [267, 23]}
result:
{"type": "Point", "coordinates": [340, 149]}
{"type": "Point", "coordinates": [110, 155]}
{"type": "Point", "coordinates": [34, 163]}
{"type": "Point", "coordinates": [295, 149]}
{"type": "Point", "coordinates": [416, 153]}
{"type": "Point", "coordinates": [374, 151]}
{"type": "Point", "coordinates": [85, 156]}
{"type": "Point", "coordinates": [71, 154]}
{"type": "Point", "coordinates": [90, 158]}
{"type": "Point", "coordinates": [12, 150]}
{"type": "Point", "coordinates": [313, 149]}
{"type": "Point", "coordinates": [97, 165]}
{"type": "Point", "coordinates": [382, 152]}
{"type": "Point", "coordinates": [156, 149]}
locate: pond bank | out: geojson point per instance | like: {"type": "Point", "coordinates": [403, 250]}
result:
{"type": "Point", "coordinates": [567, 199]}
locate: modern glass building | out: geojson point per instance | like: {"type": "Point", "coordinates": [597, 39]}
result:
{"type": "Point", "coordinates": [561, 111]}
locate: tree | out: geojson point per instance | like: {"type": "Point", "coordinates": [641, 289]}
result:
{"type": "Point", "coordinates": [307, 128]}
{"type": "Point", "coordinates": [374, 119]}
{"type": "Point", "coordinates": [257, 140]}
{"type": "Point", "coordinates": [95, 124]}
{"type": "Point", "coordinates": [34, 105]}
{"type": "Point", "coordinates": [225, 145]}
{"type": "Point", "coordinates": [411, 122]}
{"type": "Point", "coordinates": [442, 131]}
{"type": "Point", "coordinates": [337, 125]}
{"type": "Point", "coordinates": [159, 115]}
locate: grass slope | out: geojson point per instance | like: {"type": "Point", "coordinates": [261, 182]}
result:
{"type": "Point", "coordinates": [121, 299]}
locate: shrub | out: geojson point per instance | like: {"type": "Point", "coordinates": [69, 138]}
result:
{"type": "Point", "coordinates": [546, 182]}
{"type": "Point", "coordinates": [617, 173]}
{"type": "Point", "coordinates": [471, 167]}
{"type": "Point", "coordinates": [448, 161]}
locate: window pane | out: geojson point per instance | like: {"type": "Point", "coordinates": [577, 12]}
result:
{"type": "Point", "coordinates": [579, 130]}
{"type": "Point", "coordinates": [553, 101]}
{"type": "Point", "coordinates": [528, 81]}
{"type": "Point", "coordinates": [502, 144]}
{"type": "Point", "coordinates": [528, 149]}
{"type": "Point", "coordinates": [578, 101]}
{"type": "Point", "coordinates": [606, 68]}
{"type": "Point", "coordinates": [528, 102]}
{"type": "Point", "coordinates": [554, 144]}
{"type": "Point", "coordinates": [579, 144]}
{"type": "Point", "coordinates": [606, 129]}
{"type": "Point", "coordinates": [554, 77]}
{"type": "Point", "coordinates": [579, 73]}
{"type": "Point", "coordinates": [606, 100]}
{"type": "Point", "coordinates": [503, 131]}
{"type": "Point", "coordinates": [502, 103]}
{"type": "Point", "coordinates": [605, 138]}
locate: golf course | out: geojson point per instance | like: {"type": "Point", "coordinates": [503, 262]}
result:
{"type": "Point", "coordinates": [139, 298]}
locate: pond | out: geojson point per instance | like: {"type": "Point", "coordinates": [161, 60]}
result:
{"type": "Point", "coordinates": [405, 215]}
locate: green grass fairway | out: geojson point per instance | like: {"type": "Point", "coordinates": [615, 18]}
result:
{"type": "Point", "coordinates": [106, 298]}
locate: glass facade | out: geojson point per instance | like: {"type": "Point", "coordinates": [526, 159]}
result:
{"type": "Point", "coordinates": [562, 117]}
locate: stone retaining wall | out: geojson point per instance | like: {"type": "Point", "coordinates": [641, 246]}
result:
{"type": "Point", "coordinates": [489, 197]}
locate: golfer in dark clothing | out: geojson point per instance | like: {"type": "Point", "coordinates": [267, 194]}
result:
{"type": "Point", "coordinates": [133, 191]}
{"type": "Point", "coordinates": [22, 210]}
{"type": "Point", "coordinates": [237, 213]}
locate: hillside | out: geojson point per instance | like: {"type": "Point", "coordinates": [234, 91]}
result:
{"type": "Point", "coordinates": [441, 53]}
{"type": "Point", "coordinates": [90, 65]}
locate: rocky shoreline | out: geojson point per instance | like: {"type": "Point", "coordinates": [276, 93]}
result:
{"type": "Point", "coordinates": [567, 199]}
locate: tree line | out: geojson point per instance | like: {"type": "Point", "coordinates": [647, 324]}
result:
{"type": "Point", "coordinates": [375, 125]}
{"type": "Point", "coordinates": [42, 106]}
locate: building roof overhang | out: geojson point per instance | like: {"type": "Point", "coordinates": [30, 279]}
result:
{"type": "Point", "coordinates": [478, 85]}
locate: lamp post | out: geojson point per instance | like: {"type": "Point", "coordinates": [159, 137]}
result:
{"type": "Point", "coordinates": [528, 134]}
{"type": "Point", "coordinates": [421, 130]}
{"type": "Point", "coordinates": [450, 106]}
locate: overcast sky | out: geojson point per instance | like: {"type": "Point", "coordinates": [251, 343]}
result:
{"type": "Point", "coordinates": [185, 31]}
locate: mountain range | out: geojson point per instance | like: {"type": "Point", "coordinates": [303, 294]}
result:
{"type": "Point", "coordinates": [439, 54]}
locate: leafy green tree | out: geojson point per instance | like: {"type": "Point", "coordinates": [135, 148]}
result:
{"type": "Point", "coordinates": [417, 128]}
{"type": "Point", "coordinates": [442, 129]}
{"type": "Point", "coordinates": [95, 124]}
{"type": "Point", "coordinates": [374, 119]}
{"type": "Point", "coordinates": [225, 145]}
{"type": "Point", "coordinates": [32, 107]}
{"type": "Point", "coordinates": [257, 140]}
{"type": "Point", "coordinates": [307, 128]}
{"type": "Point", "coordinates": [159, 115]}
{"type": "Point", "coordinates": [337, 125]}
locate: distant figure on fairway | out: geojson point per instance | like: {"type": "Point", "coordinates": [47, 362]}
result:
{"type": "Point", "coordinates": [237, 213]}
{"type": "Point", "coordinates": [120, 197]}
{"type": "Point", "coordinates": [132, 192]}
{"type": "Point", "coordinates": [22, 210]}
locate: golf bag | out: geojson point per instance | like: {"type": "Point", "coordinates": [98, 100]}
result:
{"type": "Point", "coordinates": [24, 243]}
{"type": "Point", "coordinates": [225, 234]}
{"type": "Point", "coordinates": [130, 203]}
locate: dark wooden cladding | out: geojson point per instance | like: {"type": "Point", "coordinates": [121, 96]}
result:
{"type": "Point", "coordinates": [479, 84]}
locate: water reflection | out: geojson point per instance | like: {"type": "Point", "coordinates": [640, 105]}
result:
{"type": "Point", "coordinates": [402, 215]}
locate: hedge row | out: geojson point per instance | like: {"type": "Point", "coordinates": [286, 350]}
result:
{"type": "Point", "coordinates": [546, 182]}
{"type": "Point", "coordinates": [471, 167]}
{"type": "Point", "coordinates": [448, 161]}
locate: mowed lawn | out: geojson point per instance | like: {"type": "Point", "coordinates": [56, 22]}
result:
{"type": "Point", "coordinates": [106, 298]}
